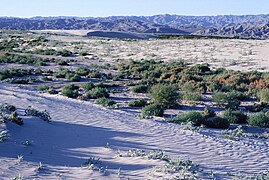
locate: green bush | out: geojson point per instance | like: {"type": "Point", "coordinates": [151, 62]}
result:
{"type": "Point", "coordinates": [191, 96]}
{"type": "Point", "coordinates": [263, 95]}
{"type": "Point", "coordinates": [165, 95]}
{"type": "Point", "coordinates": [259, 119]}
{"type": "Point", "coordinates": [216, 122]}
{"type": "Point", "coordinates": [14, 117]}
{"type": "Point", "coordinates": [152, 110]}
{"type": "Point", "coordinates": [140, 89]}
{"type": "Point", "coordinates": [208, 113]}
{"type": "Point", "coordinates": [195, 117]}
{"type": "Point", "coordinates": [137, 103]}
{"type": "Point", "coordinates": [97, 92]}
{"type": "Point", "coordinates": [105, 102]}
{"type": "Point", "coordinates": [70, 91]}
{"type": "Point", "coordinates": [234, 117]}
{"type": "Point", "coordinates": [88, 86]}
{"type": "Point", "coordinates": [228, 100]}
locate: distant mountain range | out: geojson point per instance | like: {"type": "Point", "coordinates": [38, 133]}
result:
{"type": "Point", "coordinates": [245, 26]}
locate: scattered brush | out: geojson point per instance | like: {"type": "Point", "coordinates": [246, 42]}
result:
{"type": "Point", "coordinates": [44, 115]}
{"type": "Point", "coordinates": [95, 164]}
{"type": "Point", "coordinates": [4, 136]}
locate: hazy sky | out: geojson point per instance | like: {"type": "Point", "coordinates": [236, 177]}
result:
{"type": "Point", "coordinates": [30, 8]}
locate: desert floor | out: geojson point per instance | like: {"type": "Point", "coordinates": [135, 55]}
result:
{"type": "Point", "coordinates": [82, 131]}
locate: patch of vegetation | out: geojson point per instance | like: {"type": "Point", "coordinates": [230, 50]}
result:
{"type": "Point", "coordinates": [259, 119]}
{"type": "Point", "coordinates": [235, 117]}
{"type": "Point", "coordinates": [22, 59]}
{"type": "Point", "coordinates": [88, 86]}
{"type": "Point", "coordinates": [44, 115]}
{"type": "Point", "coordinates": [216, 122]}
{"type": "Point", "coordinates": [140, 89]}
{"type": "Point", "coordinates": [137, 103]}
{"type": "Point", "coordinates": [70, 91]}
{"type": "Point", "coordinates": [97, 92]}
{"type": "Point", "coordinates": [196, 118]}
{"type": "Point", "coordinates": [165, 95]}
{"type": "Point", "coordinates": [64, 53]}
{"type": "Point", "coordinates": [152, 110]}
{"type": "Point", "coordinates": [105, 102]}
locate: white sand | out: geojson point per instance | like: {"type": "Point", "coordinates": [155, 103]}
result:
{"type": "Point", "coordinates": [81, 130]}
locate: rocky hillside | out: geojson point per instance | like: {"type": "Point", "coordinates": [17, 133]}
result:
{"type": "Point", "coordinates": [242, 31]}
{"type": "Point", "coordinates": [124, 25]}
{"type": "Point", "coordinates": [247, 26]}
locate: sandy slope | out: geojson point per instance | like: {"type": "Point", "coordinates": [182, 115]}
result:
{"type": "Point", "coordinates": [81, 130]}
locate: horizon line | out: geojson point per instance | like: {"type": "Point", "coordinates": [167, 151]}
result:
{"type": "Point", "coordinates": [74, 16]}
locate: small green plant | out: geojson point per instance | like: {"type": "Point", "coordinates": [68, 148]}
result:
{"type": "Point", "coordinates": [263, 95]}
{"type": "Point", "coordinates": [234, 134]}
{"type": "Point", "coordinates": [216, 122]}
{"type": "Point", "coordinates": [191, 96]}
{"type": "Point", "coordinates": [44, 115]}
{"type": "Point", "coordinates": [259, 119]}
{"type": "Point", "coordinates": [98, 92]}
{"type": "Point", "coordinates": [165, 95]}
{"type": "Point", "coordinates": [88, 86]}
{"type": "Point", "coordinates": [140, 89]}
{"type": "Point", "coordinates": [152, 110]}
{"type": "Point", "coordinates": [14, 117]}
{"type": "Point", "coordinates": [70, 91]}
{"type": "Point", "coordinates": [105, 102]}
{"type": "Point", "coordinates": [137, 103]}
{"type": "Point", "coordinates": [235, 117]}
{"type": "Point", "coordinates": [40, 166]}
{"type": "Point", "coordinates": [195, 117]}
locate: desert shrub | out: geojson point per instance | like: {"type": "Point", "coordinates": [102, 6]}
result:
{"type": "Point", "coordinates": [188, 87]}
{"type": "Point", "coordinates": [62, 63]}
{"type": "Point", "coordinates": [82, 71]}
{"type": "Point", "coordinates": [191, 96]}
{"type": "Point", "coordinates": [70, 91]}
{"type": "Point", "coordinates": [216, 122]}
{"type": "Point", "coordinates": [235, 117]}
{"type": "Point", "coordinates": [140, 89]}
{"type": "Point", "coordinates": [196, 118]}
{"type": "Point", "coordinates": [137, 103]}
{"type": "Point", "coordinates": [97, 92]}
{"type": "Point", "coordinates": [260, 119]}
{"type": "Point", "coordinates": [7, 107]}
{"type": "Point", "coordinates": [208, 113]}
{"type": "Point", "coordinates": [94, 74]}
{"type": "Point", "coordinates": [44, 115]}
{"type": "Point", "coordinates": [88, 86]}
{"type": "Point", "coordinates": [83, 53]}
{"type": "Point", "coordinates": [152, 110]}
{"type": "Point", "coordinates": [105, 102]}
{"type": "Point", "coordinates": [165, 95]}
{"type": "Point", "coordinates": [14, 117]}
{"type": "Point", "coordinates": [73, 77]}
{"type": "Point", "coordinates": [263, 95]}
{"type": "Point", "coordinates": [257, 107]}
{"type": "Point", "coordinates": [47, 89]}
{"type": "Point", "coordinates": [227, 100]}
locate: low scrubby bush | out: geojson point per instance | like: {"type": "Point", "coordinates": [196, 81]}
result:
{"type": "Point", "coordinates": [44, 115]}
{"type": "Point", "coordinates": [165, 95]}
{"type": "Point", "coordinates": [105, 102]}
{"type": "Point", "coordinates": [88, 86]}
{"type": "Point", "coordinates": [260, 119]}
{"type": "Point", "coordinates": [191, 96]}
{"type": "Point", "coordinates": [137, 103]}
{"type": "Point", "coordinates": [195, 117]}
{"type": "Point", "coordinates": [152, 110]}
{"type": "Point", "coordinates": [140, 89]}
{"type": "Point", "coordinates": [235, 117]}
{"type": "Point", "coordinates": [70, 91]}
{"type": "Point", "coordinates": [97, 92]}
{"type": "Point", "coordinates": [216, 122]}
{"type": "Point", "coordinates": [263, 95]}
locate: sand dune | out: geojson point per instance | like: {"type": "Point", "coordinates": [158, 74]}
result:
{"type": "Point", "coordinates": [81, 130]}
